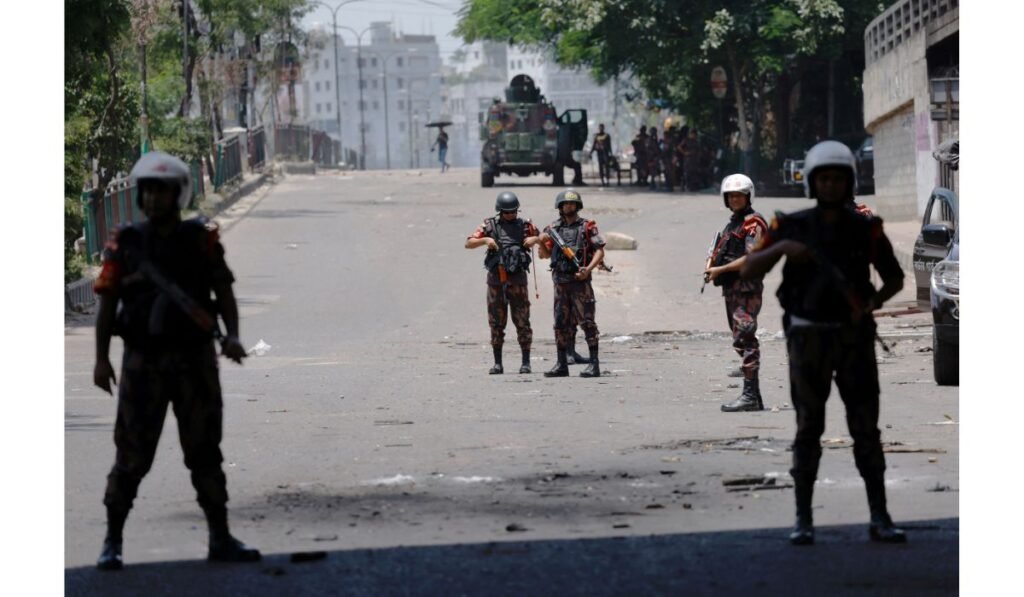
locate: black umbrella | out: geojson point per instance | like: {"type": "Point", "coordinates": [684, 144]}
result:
{"type": "Point", "coordinates": [439, 123]}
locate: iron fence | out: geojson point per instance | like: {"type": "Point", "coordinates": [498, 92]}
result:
{"type": "Point", "coordinates": [229, 162]}
{"type": "Point", "coordinates": [257, 148]}
{"type": "Point", "coordinates": [291, 142]}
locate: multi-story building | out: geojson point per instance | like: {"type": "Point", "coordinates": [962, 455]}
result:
{"type": "Point", "coordinates": [388, 88]}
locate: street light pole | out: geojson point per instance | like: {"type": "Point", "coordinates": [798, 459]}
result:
{"type": "Point", "coordinates": [337, 77]}
{"type": "Point", "coordinates": [362, 103]}
{"type": "Point", "coordinates": [387, 126]}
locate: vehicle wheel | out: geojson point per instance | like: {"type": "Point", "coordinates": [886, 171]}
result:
{"type": "Point", "coordinates": [486, 179]}
{"type": "Point", "coordinates": [946, 361]}
{"type": "Point", "coordinates": [559, 176]}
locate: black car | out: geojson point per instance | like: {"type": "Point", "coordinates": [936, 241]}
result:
{"type": "Point", "coordinates": [865, 155]}
{"type": "Point", "coordinates": [937, 277]}
{"type": "Point", "coordinates": [945, 303]}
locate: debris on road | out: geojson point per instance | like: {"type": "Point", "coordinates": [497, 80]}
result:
{"type": "Point", "coordinates": [515, 527]}
{"type": "Point", "coordinates": [621, 339]}
{"type": "Point", "coordinates": [617, 241]}
{"type": "Point", "coordinates": [308, 556]}
{"type": "Point", "coordinates": [261, 349]}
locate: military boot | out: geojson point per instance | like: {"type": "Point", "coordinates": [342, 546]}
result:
{"type": "Point", "coordinates": [594, 368]}
{"type": "Point", "coordinates": [576, 358]}
{"type": "Point", "coordinates": [110, 555]}
{"type": "Point", "coordinates": [497, 369]}
{"type": "Point", "coordinates": [803, 531]}
{"type": "Point", "coordinates": [525, 367]}
{"type": "Point", "coordinates": [881, 528]}
{"type": "Point", "coordinates": [561, 368]}
{"type": "Point", "coordinates": [224, 547]}
{"type": "Point", "coordinates": [749, 400]}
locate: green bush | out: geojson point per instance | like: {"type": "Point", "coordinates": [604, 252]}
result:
{"type": "Point", "coordinates": [74, 221]}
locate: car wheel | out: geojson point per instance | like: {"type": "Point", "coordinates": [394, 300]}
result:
{"type": "Point", "coordinates": [486, 179]}
{"type": "Point", "coordinates": [946, 361]}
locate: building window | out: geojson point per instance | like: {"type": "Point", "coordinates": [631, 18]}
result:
{"type": "Point", "coordinates": [399, 62]}
{"type": "Point", "coordinates": [476, 55]}
{"type": "Point", "coordinates": [327, 63]}
{"type": "Point", "coordinates": [328, 107]}
{"type": "Point", "coordinates": [401, 83]}
{"type": "Point", "coordinates": [362, 105]}
{"type": "Point", "coordinates": [512, 64]}
{"type": "Point", "coordinates": [318, 108]}
{"type": "Point", "coordinates": [327, 85]}
{"type": "Point", "coordinates": [376, 105]}
{"type": "Point", "coordinates": [401, 127]}
{"type": "Point", "coordinates": [362, 62]}
{"type": "Point", "coordinates": [362, 83]}
{"type": "Point", "coordinates": [317, 86]}
{"type": "Point", "coordinates": [401, 104]}
{"type": "Point", "coordinates": [373, 62]}
{"type": "Point", "coordinates": [373, 83]}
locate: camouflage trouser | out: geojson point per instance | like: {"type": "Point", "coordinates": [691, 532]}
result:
{"type": "Point", "coordinates": [497, 313]}
{"type": "Point", "coordinates": [814, 355]}
{"type": "Point", "coordinates": [575, 306]}
{"type": "Point", "coordinates": [189, 382]}
{"type": "Point", "coordinates": [742, 308]}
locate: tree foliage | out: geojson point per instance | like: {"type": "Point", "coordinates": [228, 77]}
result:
{"type": "Point", "coordinates": [670, 47]}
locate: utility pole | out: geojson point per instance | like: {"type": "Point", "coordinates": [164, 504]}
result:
{"type": "Point", "coordinates": [362, 103]}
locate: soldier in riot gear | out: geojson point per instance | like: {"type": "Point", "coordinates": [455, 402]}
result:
{"type": "Point", "coordinates": [507, 238]}
{"type": "Point", "coordinates": [742, 297]}
{"type": "Point", "coordinates": [161, 273]}
{"type": "Point", "coordinates": [828, 299]}
{"type": "Point", "coordinates": [576, 249]}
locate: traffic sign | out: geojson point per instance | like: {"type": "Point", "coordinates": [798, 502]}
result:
{"type": "Point", "coordinates": [719, 82]}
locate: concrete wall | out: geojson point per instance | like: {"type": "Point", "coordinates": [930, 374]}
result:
{"type": "Point", "coordinates": [897, 104]}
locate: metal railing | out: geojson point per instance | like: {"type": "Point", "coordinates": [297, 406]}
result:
{"type": "Point", "coordinates": [291, 142]}
{"type": "Point", "coordinates": [899, 23]}
{"type": "Point", "coordinates": [326, 151]}
{"type": "Point", "coordinates": [257, 148]}
{"type": "Point", "coordinates": [229, 162]}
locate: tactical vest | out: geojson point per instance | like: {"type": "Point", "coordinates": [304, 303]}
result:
{"type": "Point", "coordinates": [510, 253]}
{"type": "Point", "coordinates": [812, 290]}
{"type": "Point", "coordinates": [734, 247]}
{"type": "Point", "coordinates": [575, 237]}
{"type": "Point", "coordinates": [147, 317]}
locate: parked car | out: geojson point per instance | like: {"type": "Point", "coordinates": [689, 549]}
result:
{"type": "Point", "coordinates": [945, 303]}
{"type": "Point", "coordinates": [937, 271]}
{"type": "Point", "coordinates": [865, 155]}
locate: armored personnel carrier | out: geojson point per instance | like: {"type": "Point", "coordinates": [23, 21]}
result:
{"type": "Point", "coordinates": [523, 135]}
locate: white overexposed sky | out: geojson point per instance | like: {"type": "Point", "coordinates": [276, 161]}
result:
{"type": "Point", "coordinates": [417, 17]}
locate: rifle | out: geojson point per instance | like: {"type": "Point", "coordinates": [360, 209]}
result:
{"type": "Point", "coordinates": [571, 255]}
{"type": "Point", "coordinates": [712, 253]}
{"type": "Point", "coordinates": [187, 304]}
{"type": "Point", "coordinates": [832, 271]}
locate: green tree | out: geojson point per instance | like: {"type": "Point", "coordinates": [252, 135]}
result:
{"type": "Point", "coordinates": [669, 47]}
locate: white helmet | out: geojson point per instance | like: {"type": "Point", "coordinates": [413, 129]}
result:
{"type": "Point", "coordinates": [829, 154]}
{"type": "Point", "coordinates": [157, 165]}
{"type": "Point", "coordinates": [738, 183]}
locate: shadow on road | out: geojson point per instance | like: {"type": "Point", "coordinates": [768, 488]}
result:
{"type": "Point", "coordinates": [749, 562]}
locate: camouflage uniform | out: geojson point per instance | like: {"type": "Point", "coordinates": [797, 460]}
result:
{"type": "Point", "coordinates": [742, 297]}
{"type": "Point", "coordinates": [167, 358]}
{"type": "Point", "coordinates": [574, 300]}
{"type": "Point", "coordinates": [824, 341]}
{"type": "Point", "coordinates": [513, 295]}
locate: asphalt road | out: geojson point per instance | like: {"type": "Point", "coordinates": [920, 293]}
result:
{"type": "Point", "coordinates": [372, 432]}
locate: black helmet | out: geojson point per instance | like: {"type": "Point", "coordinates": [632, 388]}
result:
{"type": "Point", "coordinates": [506, 201]}
{"type": "Point", "coordinates": [568, 196]}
